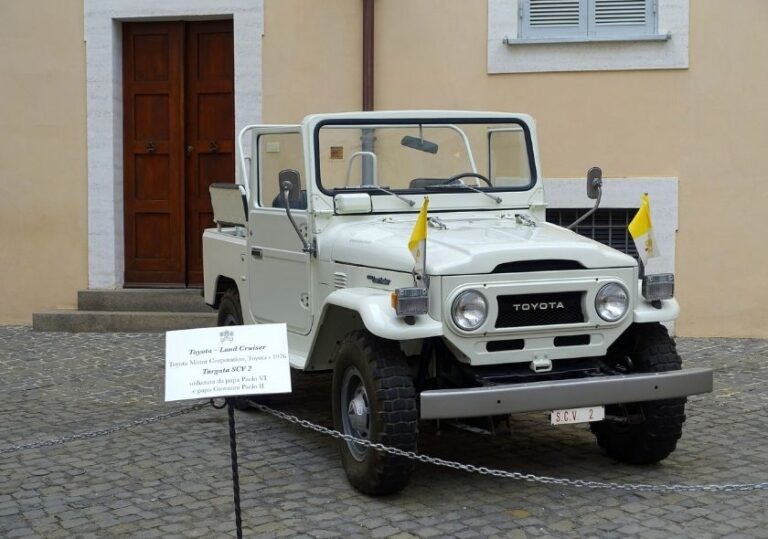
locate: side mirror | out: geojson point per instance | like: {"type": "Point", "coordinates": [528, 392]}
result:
{"type": "Point", "coordinates": [290, 191]}
{"type": "Point", "coordinates": [594, 182]}
{"type": "Point", "coordinates": [594, 191]}
{"type": "Point", "coordinates": [289, 180]}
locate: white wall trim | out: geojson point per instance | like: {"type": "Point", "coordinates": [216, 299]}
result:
{"type": "Point", "coordinates": [503, 22]}
{"type": "Point", "coordinates": [103, 39]}
{"type": "Point", "coordinates": [626, 193]}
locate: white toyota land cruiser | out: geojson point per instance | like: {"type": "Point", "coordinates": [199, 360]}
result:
{"type": "Point", "coordinates": [504, 313]}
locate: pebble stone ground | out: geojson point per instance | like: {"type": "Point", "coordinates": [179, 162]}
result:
{"type": "Point", "coordinates": [171, 478]}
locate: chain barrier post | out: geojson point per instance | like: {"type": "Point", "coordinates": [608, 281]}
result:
{"type": "Point", "coordinates": [235, 471]}
{"type": "Point", "coordinates": [229, 404]}
{"type": "Point", "coordinates": [228, 362]}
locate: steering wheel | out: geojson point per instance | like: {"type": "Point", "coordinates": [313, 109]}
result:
{"type": "Point", "coordinates": [461, 175]}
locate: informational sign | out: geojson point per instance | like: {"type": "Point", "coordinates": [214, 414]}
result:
{"type": "Point", "coordinates": [226, 361]}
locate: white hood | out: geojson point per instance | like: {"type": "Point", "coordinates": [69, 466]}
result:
{"type": "Point", "coordinates": [468, 245]}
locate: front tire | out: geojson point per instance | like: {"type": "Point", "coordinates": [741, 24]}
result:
{"type": "Point", "coordinates": [374, 399]}
{"type": "Point", "coordinates": [230, 311]}
{"type": "Point", "coordinates": [651, 429]}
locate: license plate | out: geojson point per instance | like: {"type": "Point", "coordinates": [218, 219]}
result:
{"type": "Point", "coordinates": [577, 415]}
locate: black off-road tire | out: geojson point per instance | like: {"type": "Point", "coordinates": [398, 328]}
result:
{"type": "Point", "coordinates": [381, 368]}
{"type": "Point", "coordinates": [231, 314]}
{"type": "Point", "coordinates": [660, 425]}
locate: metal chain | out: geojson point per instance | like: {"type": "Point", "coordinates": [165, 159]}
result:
{"type": "Point", "coordinates": [519, 476]}
{"type": "Point", "coordinates": [102, 432]}
{"type": "Point", "coordinates": [426, 459]}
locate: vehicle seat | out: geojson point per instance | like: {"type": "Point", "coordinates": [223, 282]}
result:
{"type": "Point", "coordinates": [298, 204]}
{"type": "Point", "coordinates": [423, 183]}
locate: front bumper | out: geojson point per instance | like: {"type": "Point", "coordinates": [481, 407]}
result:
{"type": "Point", "coordinates": [559, 394]}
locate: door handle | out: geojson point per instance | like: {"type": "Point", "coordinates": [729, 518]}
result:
{"type": "Point", "coordinates": [151, 146]}
{"type": "Point", "coordinates": [256, 252]}
{"type": "Point", "coordinates": [213, 146]}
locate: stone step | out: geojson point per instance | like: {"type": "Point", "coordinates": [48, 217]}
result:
{"type": "Point", "coordinates": [122, 321]}
{"type": "Point", "coordinates": [184, 300]}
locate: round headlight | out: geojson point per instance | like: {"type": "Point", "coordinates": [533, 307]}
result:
{"type": "Point", "coordinates": [469, 310]}
{"type": "Point", "coordinates": [612, 302]}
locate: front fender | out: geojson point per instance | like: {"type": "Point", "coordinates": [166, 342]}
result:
{"type": "Point", "coordinates": [378, 316]}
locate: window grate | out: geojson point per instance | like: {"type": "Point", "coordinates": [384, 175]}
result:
{"type": "Point", "coordinates": [606, 225]}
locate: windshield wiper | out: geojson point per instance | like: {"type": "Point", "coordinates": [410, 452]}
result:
{"type": "Point", "coordinates": [400, 197]}
{"type": "Point", "coordinates": [470, 187]}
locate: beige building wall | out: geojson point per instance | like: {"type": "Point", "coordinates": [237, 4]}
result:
{"type": "Point", "coordinates": [43, 230]}
{"type": "Point", "coordinates": [706, 125]}
{"type": "Point", "coordinates": [312, 58]}
{"type": "Point", "coordinates": [724, 196]}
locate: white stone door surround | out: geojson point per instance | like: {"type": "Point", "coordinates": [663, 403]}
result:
{"type": "Point", "coordinates": [103, 45]}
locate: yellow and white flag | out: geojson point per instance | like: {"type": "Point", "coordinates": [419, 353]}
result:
{"type": "Point", "coordinates": [641, 230]}
{"type": "Point", "coordinates": [418, 242]}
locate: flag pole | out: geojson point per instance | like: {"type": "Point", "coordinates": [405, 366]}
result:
{"type": "Point", "coordinates": [424, 279]}
{"type": "Point", "coordinates": [417, 244]}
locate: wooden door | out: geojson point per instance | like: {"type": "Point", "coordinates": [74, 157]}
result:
{"type": "Point", "coordinates": [152, 131]}
{"type": "Point", "coordinates": [178, 138]}
{"type": "Point", "coordinates": [210, 129]}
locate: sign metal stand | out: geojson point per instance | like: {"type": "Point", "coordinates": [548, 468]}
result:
{"type": "Point", "coordinates": [235, 471]}
{"type": "Point", "coordinates": [228, 403]}
{"type": "Point", "coordinates": [227, 362]}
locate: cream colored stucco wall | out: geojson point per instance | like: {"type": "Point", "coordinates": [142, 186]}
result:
{"type": "Point", "coordinates": [312, 58]}
{"type": "Point", "coordinates": [43, 235]}
{"type": "Point", "coordinates": [724, 188]}
{"type": "Point", "coordinates": [706, 125]}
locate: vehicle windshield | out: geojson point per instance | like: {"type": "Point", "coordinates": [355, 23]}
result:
{"type": "Point", "coordinates": [424, 157]}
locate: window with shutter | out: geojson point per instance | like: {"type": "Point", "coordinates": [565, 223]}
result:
{"type": "Point", "coordinates": [586, 19]}
{"type": "Point", "coordinates": [533, 36]}
{"type": "Point", "coordinates": [621, 17]}
{"type": "Point", "coordinates": [555, 17]}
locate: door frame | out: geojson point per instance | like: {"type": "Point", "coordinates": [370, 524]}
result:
{"type": "Point", "coordinates": [103, 35]}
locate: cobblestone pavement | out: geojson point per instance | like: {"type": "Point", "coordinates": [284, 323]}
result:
{"type": "Point", "coordinates": [171, 478]}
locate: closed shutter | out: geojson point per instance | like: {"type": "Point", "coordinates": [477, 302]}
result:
{"type": "Point", "coordinates": [584, 19]}
{"type": "Point", "coordinates": [621, 17]}
{"type": "Point", "coordinates": [554, 18]}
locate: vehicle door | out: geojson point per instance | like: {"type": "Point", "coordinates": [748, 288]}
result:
{"type": "Point", "coordinates": [278, 269]}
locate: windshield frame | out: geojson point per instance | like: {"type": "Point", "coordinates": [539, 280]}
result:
{"type": "Point", "coordinates": [332, 192]}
